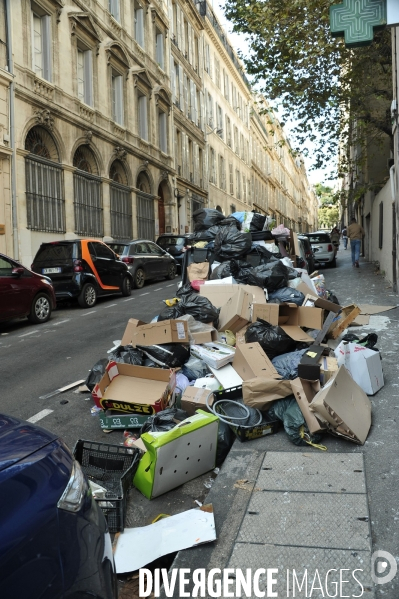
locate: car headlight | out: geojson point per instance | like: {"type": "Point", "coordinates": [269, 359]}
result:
{"type": "Point", "coordinates": [75, 491]}
{"type": "Point", "coordinates": [47, 281]}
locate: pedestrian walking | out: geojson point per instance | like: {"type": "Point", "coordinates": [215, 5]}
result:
{"type": "Point", "coordinates": [355, 234]}
{"type": "Point", "coordinates": [335, 235]}
{"type": "Point", "coordinates": [344, 234]}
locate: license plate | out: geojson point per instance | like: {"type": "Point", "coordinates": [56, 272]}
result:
{"type": "Point", "coordinates": [49, 271]}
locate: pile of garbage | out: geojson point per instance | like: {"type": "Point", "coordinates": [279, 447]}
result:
{"type": "Point", "coordinates": [252, 344]}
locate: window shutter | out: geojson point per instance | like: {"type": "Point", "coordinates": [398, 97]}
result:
{"type": "Point", "coordinates": [185, 98]}
{"type": "Point", "coordinates": [181, 99]}
{"type": "Point", "coordinates": [88, 79]}
{"type": "Point", "coordinates": [173, 79]}
{"type": "Point", "coordinates": [46, 40]}
{"type": "Point", "coordinates": [140, 27]}
{"type": "Point", "coordinates": [193, 111]}
{"type": "Point", "coordinates": [190, 44]}
{"type": "Point", "coordinates": [170, 16]}
{"type": "Point", "coordinates": [178, 32]}
{"type": "Point", "coordinates": [202, 115]}
{"type": "Point", "coordinates": [200, 57]}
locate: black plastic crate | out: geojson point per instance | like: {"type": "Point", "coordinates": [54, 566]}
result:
{"type": "Point", "coordinates": [266, 427]}
{"type": "Point", "coordinates": [113, 467]}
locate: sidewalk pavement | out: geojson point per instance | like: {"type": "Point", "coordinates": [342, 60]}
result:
{"type": "Point", "coordinates": [281, 506]}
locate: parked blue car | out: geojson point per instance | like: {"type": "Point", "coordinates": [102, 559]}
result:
{"type": "Point", "coordinates": [54, 541]}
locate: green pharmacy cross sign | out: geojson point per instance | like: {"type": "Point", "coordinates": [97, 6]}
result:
{"type": "Point", "coordinates": [356, 20]}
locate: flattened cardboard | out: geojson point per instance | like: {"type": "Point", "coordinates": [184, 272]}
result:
{"type": "Point", "coordinates": [134, 389]}
{"type": "Point", "coordinates": [304, 392]}
{"type": "Point", "coordinates": [363, 364]}
{"type": "Point", "coordinates": [318, 302]}
{"type": "Point", "coordinates": [112, 420]}
{"type": "Point", "coordinates": [219, 294]}
{"type": "Point", "coordinates": [240, 336]}
{"type": "Point", "coordinates": [131, 326]}
{"type": "Point", "coordinates": [157, 333]}
{"type": "Point", "coordinates": [236, 312]}
{"type": "Point", "coordinates": [345, 406]}
{"type": "Point", "coordinates": [328, 367]}
{"type": "Point", "coordinates": [250, 361]}
{"type": "Point", "coordinates": [371, 309]}
{"type": "Point", "coordinates": [198, 271]}
{"type": "Point", "coordinates": [194, 399]}
{"type": "Point", "coordinates": [261, 392]}
{"type": "Point", "coordinates": [361, 320]}
{"type": "Point", "coordinates": [289, 314]}
{"type": "Point", "coordinates": [343, 320]}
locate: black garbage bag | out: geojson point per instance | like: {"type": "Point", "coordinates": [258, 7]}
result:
{"type": "Point", "coordinates": [273, 275]}
{"type": "Point", "coordinates": [200, 308]}
{"type": "Point", "coordinates": [184, 290]}
{"type": "Point", "coordinates": [195, 369]}
{"type": "Point", "coordinates": [230, 243]}
{"type": "Point", "coordinates": [171, 312]}
{"type": "Point", "coordinates": [332, 297]}
{"type": "Point", "coordinates": [163, 421]}
{"type": "Point", "coordinates": [167, 355]}
{"type": "Point", "coordinates": [272, 339]}
{"type": "Point", "coordinates": [230, 221]}
{"type": "Point", "coordinates": [368, 341]}
{"type": "Point", "coordinates": [128, 355]}
{"type": "Point", "coordinates": [221, 271]}
{"type": "Point", "coordinates": [288, 411]}
{"type": "Point", "coordinates": [286, 294]}
{"type": "Point", "coordinates": [204, 218]}
{"type": "Point", "coordinates": [262, 253]}
{"type": "Point", "coordinates": [207, 235]}
{"type": "Point", "coordinates": [151, 364]}
{"type": "Point", "coordinates": [258, 221]}
{"type": "Point", "coordinates": [225, 441]}
{"type": "Point", "coordinates": [96, 373]}
{"type": "Point", "coordinates": [287, 364]}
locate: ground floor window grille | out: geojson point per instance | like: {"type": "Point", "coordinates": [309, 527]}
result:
{"type": "Point", "coordinates": [44, 196]}
{"type": "Point", "coordinates": [121, 212]}
{"type": "Point", "coordinates": [145, 217]}
{"type": "Point", "coordinates": [88, 205]}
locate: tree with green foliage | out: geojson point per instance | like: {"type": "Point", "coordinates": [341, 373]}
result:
{"type": "Point", "coordinates": [325, 195]}
{"type": "Point", "coordinates": [337, 97]}
{"type": "Point", "coordinates": [328, 217]}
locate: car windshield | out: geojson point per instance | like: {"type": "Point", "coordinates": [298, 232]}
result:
{"type": "Point", "coordinates": [319, 238]}
{"type": "Point", "coordinates": [119, 248]}
{"type": "Point", "coordinates": [167, 241]}
{"type": "Point", "coordinates": [54, 251]}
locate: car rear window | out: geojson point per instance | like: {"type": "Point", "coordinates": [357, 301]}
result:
{"type": "Point", "coordinates": [119, 248]}
{"type": "Point", "coordinates": [322, 238]}
{"type": "Point", "coordinates": [167, 241]}
{"type": "Point", "coordinates": [56, 251]}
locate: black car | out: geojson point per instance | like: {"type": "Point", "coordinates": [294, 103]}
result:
{"type": "Point", "coordinates": [145, 260]}
{"type": "Point", "coordinates": [83, 269]}
{"type": "Point", "coordinates": [175, 245]}
{"type": "Point", "coordinates": [308, 253]}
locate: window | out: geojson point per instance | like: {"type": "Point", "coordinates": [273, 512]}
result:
{"type": "Point", "coordinates": [231, 179]}
{"type": "Point", "coordinates": [226, 85]}
{"type": "Point", "coordinates": [236, 146]}
{"type": "Point", "coordinates": [163, 139]}
{"type": "Point", "coordinates": [228, 131]}
{"type": "Point", "coordinates": [191, 160]}
{"type": "Point", "coordinates": [219, 121]}
{"type": "Point", "coordinates": [210, 110]}
{"type": "Point", "coordinates": [177, 84]}
{"type": "Point", "coordinates": [207, 59]}
{"type": "Point", "coordinates": [139, 25]}
{"type": "Point", "coordinates": [143, 117]}
{"type": "Point", "coordinates": [244, 188]}
{"type": "Point", "coordinates": [120, 204]}
{"type": "Point", "coordinates": [222, 173]}
{"type": "Point", "coordinates": [41, 44]}
{"type": "Point", "coordinates": [212, 174]}
{"type": "Point", "coordinates": [159, 49]}
{"type": "Point", "coordinates": [217, 72]}
{"type": "Point", "coordinates": [114, 9]}
{"type": "Point", "coordinates": [238, 184]}
{"type": "Point", "coordinates": [117, 98]}
{"type": "Point", "coordinates": [85, 76]}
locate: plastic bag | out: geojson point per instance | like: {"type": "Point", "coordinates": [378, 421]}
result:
{"type": "Point", "coordinates": [286, 294]}
{"type": "Point", "coordinates": [167, 355]}
{"type": "Point", "coordinates": [182, 383]}
{"type": "Point", "coordinates": [229, 222]}
{"type": "Point", "coordinates": [287, 364]}
{"type": "Point", "coordinates": [170, 313]}
{"type": "Point", "coordinates": [257, 222]}
{"type": "Point", "coordinates": [230, 243]}
{"type": "Point", "coordinates": [195, 369]}
{"type": "Point", "coordinates": [200, 308]}
{"type": "Point", "coordinates": [127, 354]}
{"type": "Point", "coordinates": [96, 373]}
{"type": "Point", "coordinates": [273, 275]}
{"type": "Point", "coordinates": [225, 441]}
{"type": "Point", "coordinates": [239, 216]}
{"type": "Point", "coordinates": [320, 285]}
{"type": "Point", "coordinates": [332, 297]}
{"type": "Point", "coordinates": [163, 421]}
{"type": "Point", "coordinates": [288, 411]}
{"type": "Point", "coordinates": [281, 231]}
{"type": "Point", "coordinates": [204, 218]}
{"type": "Point", "coordinates": [184, 289]}
{"type": "Point", "coordinates": [272, 339]}
{"type": "Point", "coordinates": [221, 271]}
{"type": "Point", "coordinates": [195, 326]}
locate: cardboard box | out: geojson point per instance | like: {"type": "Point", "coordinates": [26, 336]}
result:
{"type": "Point", "coordinates": [291, 318]}
{"type": "Point", "coordinates": [261, 392]}
{"type": "Point", "coordinates": [318, 302]}
{"type": "Point", "coordinates": [236, 312]}
{"type": "Point", "coordinates": [363, 364]}
{"type": "Point", "coordinates": [227, 376]}
{"type": "Point", "coordinates": [194, 399]}
{"type": "Point", "coordinates": [157, 333]}
{"type": "Point", "coordinates": [309, 366]}
{"type": "Point", "coordinates": [131, 326]}
{"type": "Point", "coordinates": [304, 392]}
{"type": "Point", "coordinates": [177, 456]}
{"type": "Point", "coordinates": [250, 361]}
{"type": "Point", "coordinates": [218, 294]}
{"type": "Point", "coordinates": [214, 354]}
{"type": "Point", "coordinates": [343, 320]}
{"type": "Point", "coordinates": [198, 271]}
{"type": "Point", "coordinates": [199, 332]}
{"type": "Point", "coordinates": [344, 406]}
{"type": "Point", "coordinates": [134, 389]}
{"type": "Point", "coordinates": [240, 336]}
{"type": "Point", "coordinates": [113, 420]}
{"type": "Point", "coordinates": [328, 367]}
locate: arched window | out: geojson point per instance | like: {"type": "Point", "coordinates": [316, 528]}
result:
{"type": "Point", "coordinates": [88, 202]}
{"type": "Point", "coordinates": [45, 201]}
{"type": "Point", "coordinates": [145, 208]}
{"type": "Point", "coordinates": [120, 202]}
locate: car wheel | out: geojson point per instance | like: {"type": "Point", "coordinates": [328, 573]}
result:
{"type": "Point", "coordinates": [333, 264]}
{"type": "Point", "coordinates": [41, 309]}
{"type": "Point", "coordinates": [126, 287]}
{"type": "Point", "coordinates": [88, 296]}
{"type": "Point", "coordinates": [139, 278]}
{"type": "Point", "coordinates": [171, 272]}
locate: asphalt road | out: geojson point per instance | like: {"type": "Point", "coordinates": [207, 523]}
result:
{"type": "Point", "coordinates": [36, 360]}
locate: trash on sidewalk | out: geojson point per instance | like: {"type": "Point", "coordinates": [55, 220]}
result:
{"type": "Point", "coordinates": [261, 392]}
{"type": "Point", "coordinates": [214, 354]}
{"type": "Point", "coordinates": [288, 411]}
{"type": "Point", "coordinates": [309, 366]}
{"type": "Point", "coordinates": [219, 294]}
{"type": "Point", "coordinates": [344, 407]}
{"type": "Point", "coordinates": [156, 333]}
{"type": "Point", "coordinates": [304, 393]}
{"type": "Point", "coordinates": [227, 376]}
{"type": "Point", "coordinates": [177, 456]}
{"type": "Point", "coordinates": [347, 315]}
{"type": "Point", "coordinates": [198, 271]}
{"type": "Point", "coordinates": [137, 547]}
{"type": "Point", "coordinates": [163, 421]}
{"type": "Point", "coordinates": [236, 312]}
{"type": "Point", "coordinates": [194, 398]}
{"type": "Point", "coordinates": [363, 364]}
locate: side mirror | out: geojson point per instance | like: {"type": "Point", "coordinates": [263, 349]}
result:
{"type": "Point", "coordinates": [18, 271]}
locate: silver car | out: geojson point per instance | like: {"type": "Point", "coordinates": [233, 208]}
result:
{"type": "Point", "coordinates": [323, 248]}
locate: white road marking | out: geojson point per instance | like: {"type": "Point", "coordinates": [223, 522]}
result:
{"type": "Point", "coordinates": [39, 415]}
{"type": "Point", "coordinates": [159, 289]}
{"type": "Point", "coordinates": [26, 334]}
{"type": "Point", "coordinates": [129, 299]}
{"type": "Point", "coordinates": [55, 324]}
{"type": "Point", "coordinates": [110, 306]}
{"type": "Point", "coordinates": [172, 285]}
{"type": "Point", "coordinates": [87, 313]}
{"type": "Point", "coordinates": [62, 389]}
{"type": "Point", "coordinates": [141, 294]}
